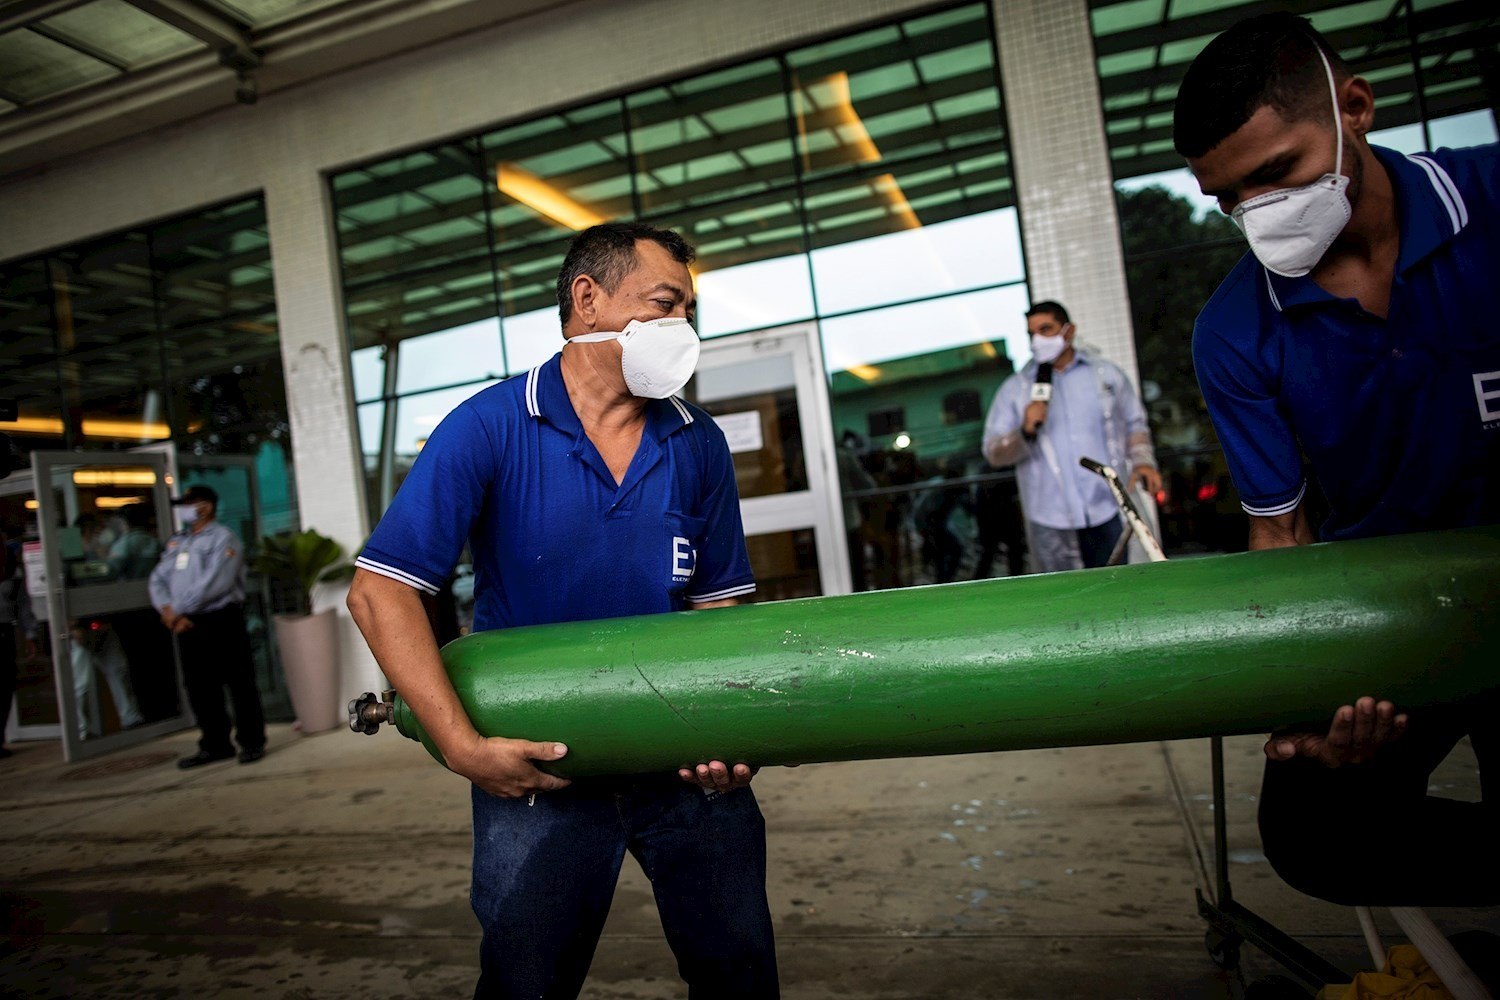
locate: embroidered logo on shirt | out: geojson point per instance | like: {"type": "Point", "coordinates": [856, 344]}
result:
{"type": "Point", "coordinates": [684, 559]}
{"type": "Point", "coordinates": [1487, 393]}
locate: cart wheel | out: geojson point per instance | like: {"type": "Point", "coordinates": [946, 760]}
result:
{"type": "Point", "coordinates": [1223, 949]}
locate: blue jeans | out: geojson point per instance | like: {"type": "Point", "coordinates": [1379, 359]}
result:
{"type": "Point", "coordinates": [544, 876]}
{"type": "Point", "coordinates": [1097, 544]}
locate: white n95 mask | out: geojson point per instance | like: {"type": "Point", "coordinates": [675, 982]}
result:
{"type": "Point", "coordinates": [1047, 349]}
{"type": "Point", "coordinates": [1290, 230]}
{"type": "Point", "coordinates": [657, 357]}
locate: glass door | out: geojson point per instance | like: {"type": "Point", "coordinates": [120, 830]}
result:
{"type": "Point", "coordinates": [767, 392]}
{"type": "Point", "coordinates": [102, 521]}
{"type": "Point", "coordinates": [33, 713]}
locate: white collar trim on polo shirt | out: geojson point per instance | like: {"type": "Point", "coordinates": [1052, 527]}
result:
{"type": "Point", "coordinates": [534, 405]}
{"type": "Point", "coordinates": [1447, 191]}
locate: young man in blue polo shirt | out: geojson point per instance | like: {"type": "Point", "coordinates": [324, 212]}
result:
{"type": "Point", "coordinates": [1359, 332]}
{"type": "Point", "coordinates": [585, 489]}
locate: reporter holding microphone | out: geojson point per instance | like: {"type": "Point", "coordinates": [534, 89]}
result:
{"type": "Point", "coordinates": [1066, 403]}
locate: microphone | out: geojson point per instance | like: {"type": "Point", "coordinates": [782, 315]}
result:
{"type": "Point", "coordinates": [1041, 392]}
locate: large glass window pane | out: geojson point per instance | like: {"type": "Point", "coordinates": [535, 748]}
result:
{"type": "Point", "coordinates": [995, 319]}
{"type": "Point", "coordinates": [714, 137]}
{"type": "Point", "coordinates": [414, 245]}
{"type": "Point", "coordinates": [909, 387]}
{"type": "Point", "coordinates": [968, 252]}
{"type": "Point", "coordinates": [109, 356]}
{"type": "Point", "coordinates": [28, 357]}
{"type": "Point", "coordinates": [418, 416]}
{"type": "Point", "coordinates": [552, 178]}
{"type": "Point", "coordinates": [464, 354]}
{"type": "Point", "coordinates": [901, 139]}
{"type": "Point", "coordinates": [532, 337]}
{"type": "Point", "coordinates": [754, 296]}
{"type": "Point", "coordinates": [367, 367]}
{"type": "Point", "coordinates": [896, 93]}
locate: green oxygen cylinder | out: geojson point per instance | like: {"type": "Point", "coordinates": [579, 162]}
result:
{"type": "Point", "coordinates": [1193, 647]}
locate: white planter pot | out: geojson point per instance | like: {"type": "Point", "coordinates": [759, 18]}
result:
{"type": "Point", "coordinates": [309, 647]}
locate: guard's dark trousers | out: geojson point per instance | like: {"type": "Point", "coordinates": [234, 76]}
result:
{"type": "Point", "coordinates": [216, 655]}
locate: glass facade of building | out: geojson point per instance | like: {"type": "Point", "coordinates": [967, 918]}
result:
{"type": "Point", "coordinates": [1433, 67]}
{"type": "Point", "coordinates": [163, 333]}
{"type": "Point", "coordinates": [862, 183]}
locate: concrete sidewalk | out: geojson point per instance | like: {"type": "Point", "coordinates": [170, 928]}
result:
{"type": "Point", "coordinates": [338, 866]}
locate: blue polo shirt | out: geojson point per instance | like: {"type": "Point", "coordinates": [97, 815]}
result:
{"type": "Point", "coordinates": [1399, 418]}
{"type": "Point", "coordinates": [554, 538]}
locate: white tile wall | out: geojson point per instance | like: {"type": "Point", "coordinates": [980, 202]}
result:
{"type": "Point", "coordinates": [1068, 221]}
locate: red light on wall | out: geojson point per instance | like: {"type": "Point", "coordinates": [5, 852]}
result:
{"type": "Point", "coordinates": [1208, 493]}
{"type": "Point", "coordinates": [1161, 497]}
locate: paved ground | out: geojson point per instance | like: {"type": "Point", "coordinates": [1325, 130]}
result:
{"type": "Point", "coordinates": [338, 866]}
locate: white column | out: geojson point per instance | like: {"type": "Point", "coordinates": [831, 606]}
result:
{"type": "Point", "coordinates": [1060, 158]}
{"type": "Point", "coordinates": [320, 400]}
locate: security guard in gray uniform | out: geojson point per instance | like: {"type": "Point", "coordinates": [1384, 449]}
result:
{"type": "Point", "coordinates": [198, 586]}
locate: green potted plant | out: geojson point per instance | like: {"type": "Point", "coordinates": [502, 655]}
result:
{"type": "Point", "coordinates": [308, 642]}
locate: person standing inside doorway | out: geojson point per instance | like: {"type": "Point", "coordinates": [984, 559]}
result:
{"type": "Point", "coordinates": [198, 588]}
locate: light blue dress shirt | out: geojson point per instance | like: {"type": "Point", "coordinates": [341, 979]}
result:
{"type": "Point", "coordinates": [1094, 410]}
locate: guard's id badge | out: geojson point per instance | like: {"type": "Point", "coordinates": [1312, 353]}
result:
{"type": "Point", "coordinates": [182, 560]}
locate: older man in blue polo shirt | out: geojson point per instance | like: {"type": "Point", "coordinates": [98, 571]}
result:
{"type": "Point", "coordinates": [1359, 332]}
{"type": "Point", "coordinates": [585, 489]}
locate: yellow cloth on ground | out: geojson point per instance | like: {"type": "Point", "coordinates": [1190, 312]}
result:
{"type": "Point", "coordinates": [1406, 976]}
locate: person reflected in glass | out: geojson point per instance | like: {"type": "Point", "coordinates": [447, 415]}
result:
{"type": "Point", "coordinates": [932, 516]}
{"type": "Point", "coordinates": [135, 553]}
{"type": "Point", "coordinates": [16, 622]}
{"type": "Point", "coordinates": [854, 479]}
{"type": "Point", "coordinates": [1089, 410]}
{"type": "Point", "coordinates": [94, 649]}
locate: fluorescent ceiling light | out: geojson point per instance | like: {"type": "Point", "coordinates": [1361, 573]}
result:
{"type": "Point", "coordinates": [542, 198]}
{"type": "Point", "coordinates": [114, 477]}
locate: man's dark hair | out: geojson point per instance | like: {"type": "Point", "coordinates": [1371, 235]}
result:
{"type": "Point", "coordinates": [606, 253]}
{"type": "Point", "coordinates": [1266, 60]}
{"type": "Point", "coordinates": [1049, 308]}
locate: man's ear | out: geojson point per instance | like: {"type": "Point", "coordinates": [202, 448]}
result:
{"type": "Point", "coordinates": [586, 292]}
{"type": "Point", "coordinates": [1357, 104]}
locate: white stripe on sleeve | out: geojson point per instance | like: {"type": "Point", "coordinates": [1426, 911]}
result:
{"type": "Point", "coordinates": [399, 575]}
{"type": "Point", "coordinates": [719, 595]}
{"type": "Point", "coordinates": [1278, 509]}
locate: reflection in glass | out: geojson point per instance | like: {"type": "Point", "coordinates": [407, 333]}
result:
{"type": "Point", "coordinates": [418, 416]}
{"type": "Point", "coordinates": [785, 564]}
{"type": "Point", "coordinates": [712, 137]}
{"type": "Point", "coordinates": [756, 405]}
{"type": "Point", "coordinates": [954, 256]}
{"type": "Point", "coordinates": [920, 504]}
{"type": "Point", "coordinates": [863, 178]}
{"type": "Point", "coordinates": [549, 179]}
{"type": "Point", "coordinates": [532, 338]}
{"type": "Point", "coordinates": [994, 317]}
{"type": "Point", "coordinates": [754, 296]}
{"type": "Point", "coordinates": [367, 366]}
{"type": "Point", "coordinates": [28, 356]}
{"type": "Point", "coordinates": [450, 357]}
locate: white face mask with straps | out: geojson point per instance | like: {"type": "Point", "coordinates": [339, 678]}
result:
{"type": "Point", "coordinates": [1290, 230]}
{"type": "Point", "coordinates": [657, 357]}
